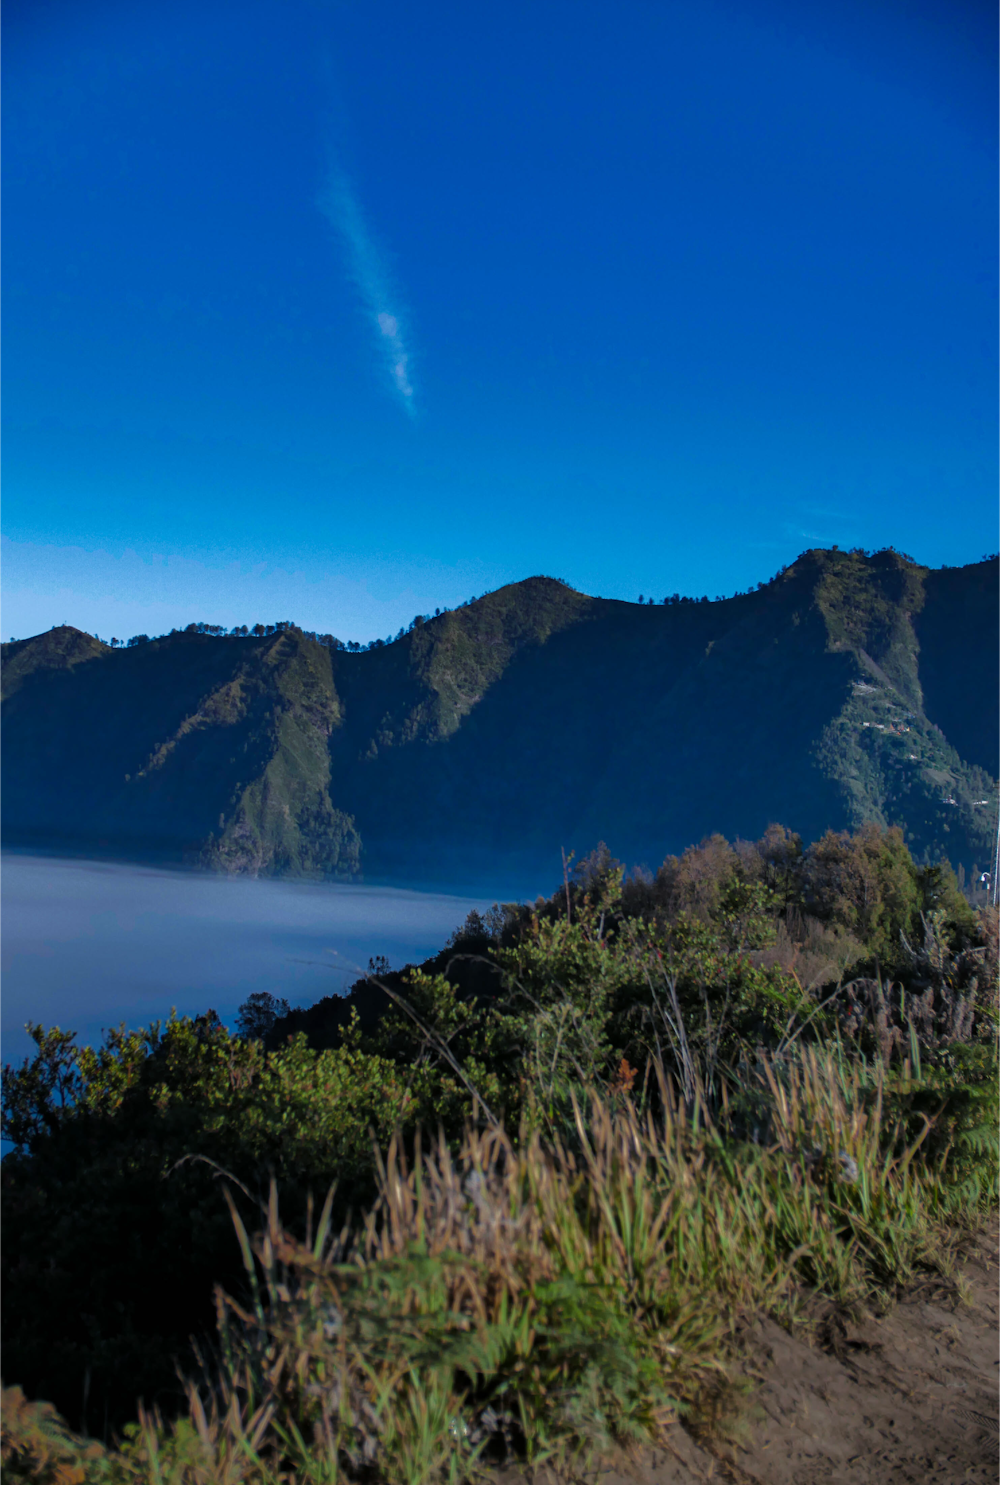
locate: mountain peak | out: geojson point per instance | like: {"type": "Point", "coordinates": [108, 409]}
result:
{"type": "Point", "coordinates": [58, 648]}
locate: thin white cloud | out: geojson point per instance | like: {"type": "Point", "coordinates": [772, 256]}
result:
{"type": "Point", "coordinates": [339, 205]}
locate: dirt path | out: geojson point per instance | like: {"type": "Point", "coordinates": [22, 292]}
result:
{"type": "Point", "coordinates": [911, 1397]}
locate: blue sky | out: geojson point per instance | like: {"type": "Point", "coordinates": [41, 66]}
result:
{"type": "Point", "coordinates": [341, 312]}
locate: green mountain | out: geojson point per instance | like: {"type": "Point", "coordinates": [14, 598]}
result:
{"type": "Point", "coordinates": [848, 688]}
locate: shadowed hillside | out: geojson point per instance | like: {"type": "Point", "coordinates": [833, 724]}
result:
{"type": "Point", "coordinates": [849, 688]}
{"type": "Point", "coordinates": [960, 658]}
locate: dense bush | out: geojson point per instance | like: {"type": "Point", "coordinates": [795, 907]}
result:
{"type": "Point", "coordinates": [115, 1228]}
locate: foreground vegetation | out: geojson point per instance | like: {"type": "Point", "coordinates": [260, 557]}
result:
{"type": "Point", "coordinates": [569, 1157]}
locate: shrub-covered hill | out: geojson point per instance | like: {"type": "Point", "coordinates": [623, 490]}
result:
{"type": "Point", "coordinates": [849, 688]}
{"type": "Point", "coordinates": [807, 1034]}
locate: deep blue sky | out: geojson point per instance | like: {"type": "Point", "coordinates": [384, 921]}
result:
{"type": "Point", "coordinates": [340, 312]}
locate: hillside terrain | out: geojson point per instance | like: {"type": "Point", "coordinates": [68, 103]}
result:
{"type": "Point", "coordinates": [849, 688]}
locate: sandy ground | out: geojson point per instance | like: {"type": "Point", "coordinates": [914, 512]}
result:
{"type": "Point", "coordinates": [908, 1397]}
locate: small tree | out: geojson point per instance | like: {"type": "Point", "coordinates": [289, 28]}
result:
{"type": "Point", "coordinates": [257, 1015]}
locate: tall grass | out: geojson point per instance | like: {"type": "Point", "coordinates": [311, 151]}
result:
{"type": "Point", "coordinates": [550, 1297]}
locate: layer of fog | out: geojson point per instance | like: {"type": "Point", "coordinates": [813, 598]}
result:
{"type": "Point", "coordinates": [87, 945]}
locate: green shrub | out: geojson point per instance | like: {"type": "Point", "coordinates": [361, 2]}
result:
{"type": "Point", "coordinates": [115, 1230]}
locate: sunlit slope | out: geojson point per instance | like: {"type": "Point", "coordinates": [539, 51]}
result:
{"type": "Point", "coordinates": [848, 688]}
{"type": "Point", "coordinates": [184, 747]}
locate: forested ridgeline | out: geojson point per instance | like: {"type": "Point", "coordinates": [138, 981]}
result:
{"type": "Point", "coordinates": [508, 1203]}
{"type": "Point", "coordinates": [851, 687]}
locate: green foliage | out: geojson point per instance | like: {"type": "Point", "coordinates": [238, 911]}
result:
{"type": "Point", "coordinates": [950, 1100]}
{"type": "Point", "coordinates": [115, 1231]}
{"type": "Point", "coordinates": [868, 884]}
{"type": "Point", "coordinates": [697, 969]}
{"type": "Point", "coordinates": [451, 1047]}
{"type": "Point", "coordinates": [940, 893]}
{"type": "Point", "coordinates": [564, 979]}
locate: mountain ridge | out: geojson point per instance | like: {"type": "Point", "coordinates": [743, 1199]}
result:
{"type": "Point", "coordinates": [533, 718]}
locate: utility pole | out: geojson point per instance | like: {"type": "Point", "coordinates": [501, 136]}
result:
{"type": "Point", "coordinates": [994, 884]}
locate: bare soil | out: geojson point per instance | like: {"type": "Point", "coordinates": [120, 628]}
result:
{"type": "Point", "coordinates": [909, 1397]}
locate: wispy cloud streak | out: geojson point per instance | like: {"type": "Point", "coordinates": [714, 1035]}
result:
{"type": "Point", "coordinates": [339, 205]}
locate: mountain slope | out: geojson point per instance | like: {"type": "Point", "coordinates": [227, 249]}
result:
{"type": "Point", "coordinates": [186, 746]}
{"type": "Point", "coordinates": [848, 688]}
{"type": "Point", "coordinates": [960, 658]}
{"type": "Point", "coordinates": [57, 650]}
